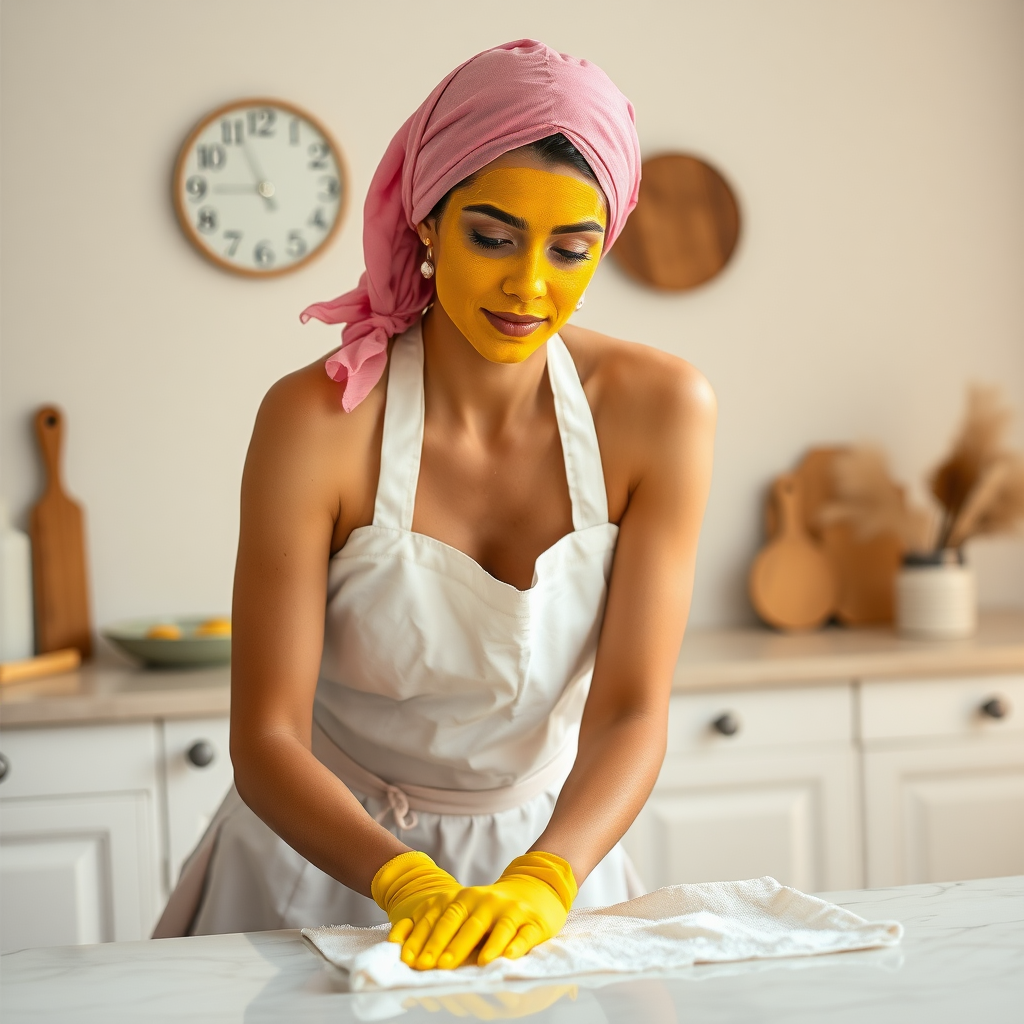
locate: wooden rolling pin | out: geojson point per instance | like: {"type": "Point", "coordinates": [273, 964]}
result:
{"type": "Point", "coordinates": [41, 665]}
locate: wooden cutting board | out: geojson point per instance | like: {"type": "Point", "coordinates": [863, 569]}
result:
{"type": "Point", "coordinates": [864, 570]}
{"type": "Point", "coordinates": [791, 581]}
{"type": "Point", "coordinates": [58, 551]}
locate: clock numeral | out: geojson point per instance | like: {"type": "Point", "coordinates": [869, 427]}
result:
{"type": "Point", "coordinates": [318, 154]}
{"type": "Point", "coordinates": [331, 189]}
{"type": "Point", "coordinates": [196, 188]}
{"type": "Point", "coordinates": [317, 220]}
{"type": "Point", "coordinates": [261, 122]}
{"type": "Point", "coordinates": [296, 244]}
{"type": "Point", "coordinates": [231, 132]}
{"type": "Point", "coordinates": [211, 157]}
{"type": "Point", "coordinates": [206, 220]}
{"type": "Point", "coordinates": [234, 237]}
{"type": "Point", "coordinates": [263, 254]}
{"type": "Point", "coordinates": [293, 131]}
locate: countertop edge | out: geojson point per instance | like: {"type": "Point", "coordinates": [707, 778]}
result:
{"type": "Point", "coordinates": [711, 661]}
{"type": "Point", "coordinates": [838, 669]}
{"type": "Point", "coordinates": [96, 709]}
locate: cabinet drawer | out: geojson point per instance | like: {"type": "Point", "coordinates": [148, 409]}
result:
{"type": "Point", "coordinates": [937, 708]}
{"type": "Point", "coordinates": [776, 718]}
{"type": "Point", "coordinates": [79, 759]}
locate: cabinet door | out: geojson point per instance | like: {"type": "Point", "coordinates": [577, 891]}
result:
{"type": "Point", "coordinates": [76, 869]}
{"type": "Point", "coordinates": [744, 815]}
{"type": "Point", "coordinates": [945, 812]}
{"type": "Point", "coordinates": [194, 790]}
{"type": "Point", "coordinates": [79, 835]}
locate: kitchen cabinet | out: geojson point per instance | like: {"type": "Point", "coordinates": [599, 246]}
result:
{"type": "Point", "coordinates": [755, 783]}
{"type": "Point", "coordinates": [829, 760]}
{"type": "Point", "coordinates": [197, 773]}
{"type": "Point", "coordinates": [79, 835]}
{"type": "Point", "coordinates": [944, 779]}
{"type": "Point", "coordinates": [95, 822]}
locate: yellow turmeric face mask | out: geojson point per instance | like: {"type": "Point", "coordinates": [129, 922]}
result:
{"type": "Point", "coordinates": [517, 248]}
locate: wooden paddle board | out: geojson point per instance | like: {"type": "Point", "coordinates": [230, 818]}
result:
{"type": "Point", "coordinates": [58, 551]}
{"type": "Point", "coordinates": [864, 570]}
{"type": "Point", "coordinates": [791, 581]}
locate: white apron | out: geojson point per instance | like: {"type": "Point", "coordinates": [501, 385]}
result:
{"type": "Point", "coordinates": [449, 702]}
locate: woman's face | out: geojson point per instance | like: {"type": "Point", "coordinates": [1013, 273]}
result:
{"type": "Point", "coordinates": [514, 251]}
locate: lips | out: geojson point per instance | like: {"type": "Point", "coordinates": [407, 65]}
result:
{"type": "Point", "coordinates": [514, 325]}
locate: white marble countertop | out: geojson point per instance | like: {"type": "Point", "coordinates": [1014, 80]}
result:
{"type": "Point", "coordinates": [115, 691]}
{"type": "Point", "coordinates": [741, 658]}
{"type": "Point", "coordinates": [111, 689]}
{"type": "Point", "coordinates": [962, 959]}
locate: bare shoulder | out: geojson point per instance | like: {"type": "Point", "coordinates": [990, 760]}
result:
{"type": "Point", "coordinates": [305, 443]}
{"type": "Point", "coordinates": [639, 394]}
{"type": "Point", "coordinates": [307, 403]}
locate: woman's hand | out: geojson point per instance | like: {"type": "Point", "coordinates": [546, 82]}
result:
{"type": "Point", "coordinates": [526, 906]}
{"type": "Point", "coordinates": [412, 890]}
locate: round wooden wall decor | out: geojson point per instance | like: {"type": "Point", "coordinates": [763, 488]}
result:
{"type": "Point", "coordinates": [685, 225]}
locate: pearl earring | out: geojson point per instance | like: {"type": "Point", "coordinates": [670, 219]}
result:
{"type": "Point", "coordinates": [583, 297]}
{"type": "Point", "coordinates": [427, 266]}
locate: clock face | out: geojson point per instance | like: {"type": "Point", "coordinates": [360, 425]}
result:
{"type": "Point", "coordinates": [259, 187]}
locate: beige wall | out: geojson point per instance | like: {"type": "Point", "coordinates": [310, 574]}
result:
{"type": "Point", "coordinates": [877, 148]}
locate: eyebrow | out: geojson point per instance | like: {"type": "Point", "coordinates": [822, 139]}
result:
{"type": "Point", "coordinates": [520, 225]}
{"type": "Point", "coordinates": [492, 211]}
{"type": "Point", "coordinates": [571, 229]}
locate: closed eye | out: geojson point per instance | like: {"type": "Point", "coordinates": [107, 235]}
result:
{"type": "Point", "coordinates": [487, 241]}
{"type": "Point", "coordinates": [572, 255]}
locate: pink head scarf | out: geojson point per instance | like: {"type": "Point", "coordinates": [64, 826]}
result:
{"type": "Point", "coordinates": [497, 101]}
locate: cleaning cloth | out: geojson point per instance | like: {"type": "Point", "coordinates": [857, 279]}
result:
{"type": "Point", "coordinates": [674, 927]}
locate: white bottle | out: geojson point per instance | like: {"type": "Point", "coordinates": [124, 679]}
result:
{"type": "Point", "coordinates": [17, 639]}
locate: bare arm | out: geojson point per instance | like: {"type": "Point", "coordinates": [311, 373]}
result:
{"type": "Point", "coordinates": [667, 432]}
{"type": "Point", "coordinates": [289, 518]}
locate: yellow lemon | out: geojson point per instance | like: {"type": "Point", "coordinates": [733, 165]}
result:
{"type": "Point", "coordinates": [164, 631]}
{"type": "Point", "coordinates": [214, 627]}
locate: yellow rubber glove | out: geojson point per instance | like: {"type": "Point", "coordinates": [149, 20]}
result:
{"type": "Point", "coordinates": [526, 906]}
{"type": "Point", "coordinates": [411, 889]}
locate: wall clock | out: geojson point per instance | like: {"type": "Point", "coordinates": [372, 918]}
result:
{"type": "Point", "coordinates": [260, 187]}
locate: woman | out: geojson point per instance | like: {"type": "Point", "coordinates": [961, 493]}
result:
{"type": "Point", "coordinates": [500, 517]}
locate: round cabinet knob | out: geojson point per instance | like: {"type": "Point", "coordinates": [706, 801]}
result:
{"type": "Point", "coordinates": [727, 724]}
{"type": "Point", "coordinates": [996, 707]}
{"type": "Point", "coordinates": [201, 753]}
{"type": "Point", "coordinates": [5, 767]}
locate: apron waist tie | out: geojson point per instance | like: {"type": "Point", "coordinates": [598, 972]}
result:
{"type": "Point", "coordinates": [404, 801]}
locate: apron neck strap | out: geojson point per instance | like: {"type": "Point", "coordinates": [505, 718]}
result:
{"type": "Point", "coordinates": [402, 441]}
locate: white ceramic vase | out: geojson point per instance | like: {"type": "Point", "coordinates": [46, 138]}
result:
{"type": "Point", "coordinates": [936, 597]}
{"type": "Point", "coordinates": [17, 639]}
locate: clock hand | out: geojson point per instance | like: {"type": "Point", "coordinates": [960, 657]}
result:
{"type": "Point", "coordinates": [264, 187]}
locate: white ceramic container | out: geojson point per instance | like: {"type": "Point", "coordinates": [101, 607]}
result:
{"type": "Point", "coordinates": [17, 636]}
{"type": "Point", "coordinates": [937, 601]}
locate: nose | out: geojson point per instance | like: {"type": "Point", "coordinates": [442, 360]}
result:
{"type": "Point", "coordinates": [525, 280]}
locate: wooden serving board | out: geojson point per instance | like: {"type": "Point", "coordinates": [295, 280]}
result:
{"type": "Point", "coordinates": [58, 552]}
{"type": "Point", "coordinates": [791, 581]}
{"type": "Point", "coordinates": [864, 570]}
{"type": "Point", "coordinates": [685, 225]}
